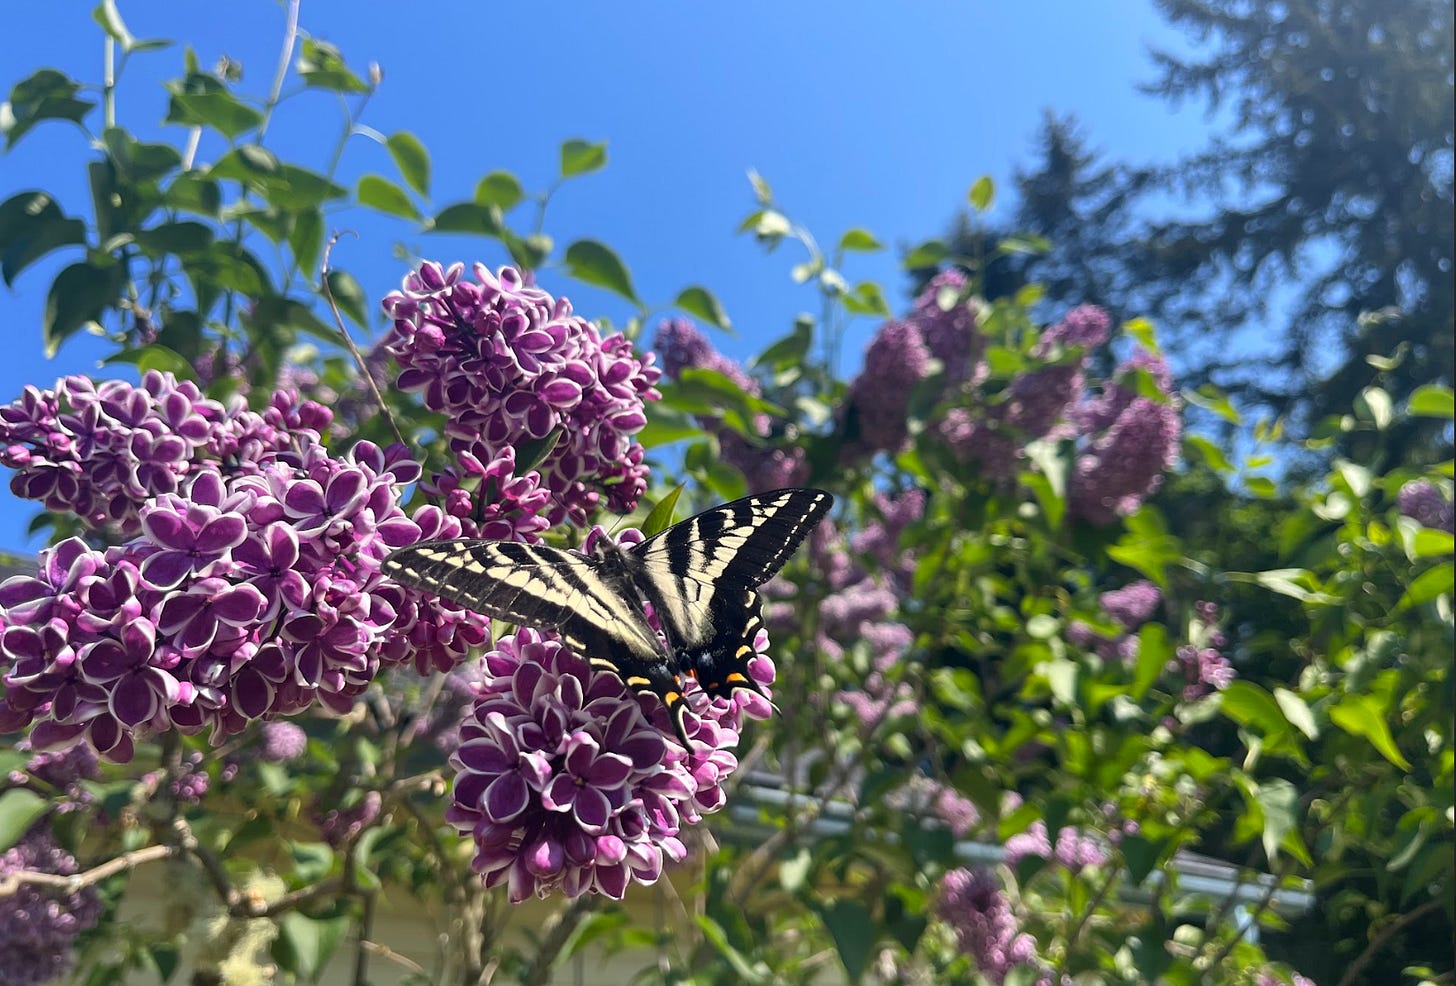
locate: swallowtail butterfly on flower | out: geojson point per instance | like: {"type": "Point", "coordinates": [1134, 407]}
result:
{"type": "Point", "coordinates": [701, 577]}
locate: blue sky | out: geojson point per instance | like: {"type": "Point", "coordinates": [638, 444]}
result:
{"type": "Point", "coordinates": [876, 115]}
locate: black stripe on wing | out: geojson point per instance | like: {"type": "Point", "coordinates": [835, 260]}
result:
{"type": "Point", "coordinates": [530, 585]}
{"type": "Point", "coordinates": [720, 554]}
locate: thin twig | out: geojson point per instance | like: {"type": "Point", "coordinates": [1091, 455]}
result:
{"type": "Point", "coordinates": [12, 882]}
{"type": "Point", "coordinates": [390, 955]}
{"type": "Point", "coordinates": [359, 360]}
{"type": "Point", "coordinates": [558, 929]}
{"type": "Point", "coordinates": [1388, 932]}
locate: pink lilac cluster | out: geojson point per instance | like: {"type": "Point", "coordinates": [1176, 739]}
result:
{"type": "Point", "coordinates": [765, 467]}
{"type": "Point", "coordinates": [568, 780]}
{"type": "Point", "coordinates": [947, 324]}
{"type": "Point", "coordinates": [1201, 661]}
{"type": "Point", "coordinates": [506, 364]}
{"type": "Point", "coordinates": [1422, 501]}
{"type": "Point", "coordinates": [251, 588]}
{"type": "Point", "coordinates": [972, 904]}
{"type": "Point", "coordinates": [1130, 443]}
{"type": "Point", "coordinates": [1074, 850]}
{"type": "Point", "coordinates": [39, 924]}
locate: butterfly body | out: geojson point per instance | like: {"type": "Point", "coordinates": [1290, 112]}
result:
{"type": "Point", "coordinates": [699, 576]}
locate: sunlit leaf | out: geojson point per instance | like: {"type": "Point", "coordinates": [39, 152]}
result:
{"type": "Point", "coordinates": [412, 160]}
{"type": "Point", "coordinates": [595, 263]}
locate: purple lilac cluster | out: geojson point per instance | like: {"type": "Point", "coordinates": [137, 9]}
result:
{"type": "Point", "coordinates": [895, 363]}
{"type": "Point", "coordinates": [341, 826]}
{"type": "Point", "coordinates": [1131, 442]}
{"type": "Point", "coordinates": [63, 771]}
{"type": "Point", "coordinates": [1201, 661]}
{"type": "Point", "coordinates": [1422, 501]}
{"type": "Point", "coordinates": [1073, 850]}
{"type": "Point", "coordinates": [38, 924]}
{"type": "Point", "coordinates": [1036, 404]}
{"type": "Point", "coordinates": [568, 780]}
{"type": "Point", "coordinates": [864, 577]}
{"type": "Point", "coordinates": [972, 904]}
{"type": "Point", "coordinates": [506, 363]}
{"type": "Point", "coordinates": [681, 346]}
{"type": "Point", "coordinates": [935, 799]}
{"type": "Point", "coordinates": [281, 742]}
{"type": "Point", "coordinates": [1132, 605]}
{"type": "Point", "coordinates": [251, 587]}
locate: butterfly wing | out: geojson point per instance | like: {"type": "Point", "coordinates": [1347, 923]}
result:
{"type": "Point", "coordinates": [700, 576]}
{"type": "Point", "coordinates": [537, 586]}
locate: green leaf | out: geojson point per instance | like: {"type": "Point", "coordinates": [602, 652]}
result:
{"type": "Point", "coordinates": [412, 160]}
{"type": "Point", "coordinates": [19, 809]}
{"type": "Point", "coordinates": [155, 357]}
{"type": "Point", "coordinates": [1250, 705]}
{"type": "Point", "coordinates": [31, 226]}
{"type": "Point", "coordinates": [762, 192]}
{"type": "Point", "coordinates": [304, 944]}
{"type": "Point", "coordinates": [859, 239]}
{"type": "Point", "coordinates": [79, 295]}
{"type": "Point", "coordinates": [1279, 801]}
{"type": "Point", "coordinates": [322, 66]}
{"type": "Point", "coordinates": [383, 195]}
{"type": "Point", "coordinates": [927, 254]}
{"type": "Point", "coordinates": [306, 238]}
{"type": "Point", "coordinates": [500, 189]}
{"type": "Point", "coordinates": [531, 453]}
{"type": "Point", "coordinates": [664, 428]}
{"type": "Point", "coordinates": [578, 157]}
{"type": "Point", "coordinates": [527, 252]}
{"type": "Point", "coordinates": [1211, 454]}
{"type": "Point", "coordinates": [467, 217]}
{"type": "Point", "coordinates": [1154, 653]}
{"type": "Point", "coordinates": [43, 95]}
{"type": "Point", "coordinates": [1433, 582]}
{"type": "Point", "coordinates": [1432, 401]}
{"type": "Point", "coordinates": [1373, 404]}
{"type": "Point", "coordinates": [349, 295]}
{"type": "Point", "coordinates": [794, 871]}
{"type": "Point", "coordinates": [1061, 675]}
{"type": "Point", "coordinates": [790, 351]}
{"type": "Point", "coordinates": [594, 263]}
{"type": "Point", "coordinates": [1141, 856]}
{"type": "Point", "coordinates": [1296, 711]}
{"type": "Point", "coordinates": [660, 518]}
{"type": "Point", "coordinates": [866, 299]}
{"type": "Point", "coordinates": [192, 191]}
{"type": "Point", "coordinates": [742, 968]}
{"type": "Point", "coordinates": [201, 100]}
{"type": "Point", "coordinates": [139, 162]}
{"type": "Point", "coordinates": [1429, 543]}
{"type": "Point", "coordinates": [704, 304]}
{"type": "Point", "coordinates": [1210, 398]}
{"type": "Point", "coordinates": [982, 193]}
{"type": "Point", "coordinates": [1262, 487]}
{"type": "Point", "coordinates": [110, 20]}
{"type": "Point", "coordinates": [1362, 715]}
{"type": "Point", "coordinates": [176, 238]}
{"type": "Point", "coordinates": [1028, 243]}
{"type": "Point", "coordinates": [1143, 332]}
{"type": "Point", "coordinates": [853, 932]}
